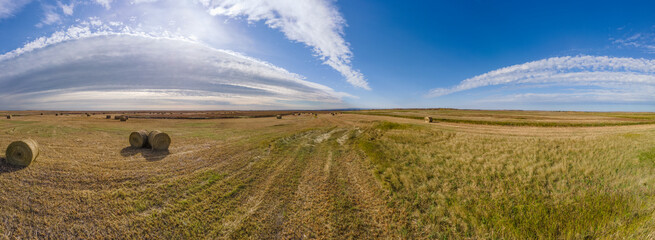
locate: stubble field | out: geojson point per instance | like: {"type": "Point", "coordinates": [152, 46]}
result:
{"type": "Point", "coordinates": [383, 174]}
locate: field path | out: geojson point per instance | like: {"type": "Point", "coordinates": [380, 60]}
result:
{"type": "Point", "coordinates": [321, 192]}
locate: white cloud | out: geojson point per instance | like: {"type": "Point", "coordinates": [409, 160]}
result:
{"type": "Point", "coordinates": [143, 1]}
{"type": "Point", "coordinates": [67, 8]}
{"type": "Point", "coordinates": [104, 3]}
{"type": "Point", "coordinates": [10, 7]}
{"type": "Point", "coordinates": [627, 95]}
{"type": "Point", "coordinates": [599, 71]}
{"type": "Point", "coordinates": [316, 23]}
{"type": "Point", "coordinates": [116, 67]}
{"type": "Point", "coordinates": [50, 16]}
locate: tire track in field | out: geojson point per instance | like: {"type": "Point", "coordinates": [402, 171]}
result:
{"type": "Point", "coordinates": [259, 213]}
{"type": "Point", "coordinates": [336, 197]}
{"type": "Point", "coordinates": [368, 208]}
{"type": "Point", "coordinates": [310, 215]}
{"type": "Point", "coordinates": [368, 198]}
{"type": "Point", "coordinates": [259, 181]}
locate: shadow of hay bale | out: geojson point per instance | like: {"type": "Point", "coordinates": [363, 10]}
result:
{"type": "Point", "coordinates": [148, 154]}
{"type": "Point", "coordinates": [7, 168]}
{"type": "Point", "coordinates": [154, 155]}
{"type": "Point", "coordinates": [130, 151]}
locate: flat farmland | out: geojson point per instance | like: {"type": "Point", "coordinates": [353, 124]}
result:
{"type": "Point", "coordinates": [521, 118]}
{"type": "Point", "coordinates": [375, 174]}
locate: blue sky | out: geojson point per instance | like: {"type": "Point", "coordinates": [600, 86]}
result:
{"type": "Point", "coordinates": [317, 54]}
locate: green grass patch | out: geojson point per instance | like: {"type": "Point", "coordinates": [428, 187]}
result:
{"type": "Point", "coordinates": [540, 215]}
{"type": "Point", "coordinates": [647, 157]}
{"type": "Point", "coordinates": [385, 126]}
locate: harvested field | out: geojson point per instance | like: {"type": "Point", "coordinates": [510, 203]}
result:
{"type": "Point", "coordinates": [356, 176]}
{"type": "Point", "coordinates": [520, 118]}
{"type": "Point", "coordinates": [175, 114]}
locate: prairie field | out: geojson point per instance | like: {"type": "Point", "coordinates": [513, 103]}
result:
{"type": "Point", "coordinates": [375, 174]}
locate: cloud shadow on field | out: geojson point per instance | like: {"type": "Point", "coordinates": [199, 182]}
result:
{"type": "Point", "coordinates": [147, 153]}
{"type": "Point", "coordinates": [7, 168]}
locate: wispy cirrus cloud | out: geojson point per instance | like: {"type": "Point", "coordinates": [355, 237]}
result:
{"type": "Point", "coordinates": [104, 3]}
{"type": "Point", "coordinates": [9, 7]}
{"type": "Point", "coordinates": [644, 41]}
{"type": "Point", "coordinates": [624, 95]}
{"type": "Point", "coordinates": [67, 9]}
{"type": "Point", "coordinates": [114, 66]}
{"type": "Point", "coordinates": [316, 23]}
{"type": "Point", "coordinates": [610, 73]}
{"type": "Point", "coordinates": [50, 16]}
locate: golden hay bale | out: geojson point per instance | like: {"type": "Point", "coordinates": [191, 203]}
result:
{"type": "Point", "coordinates": [428, 119]}
{"type": "Point", "coordinates": [278, 116]}
{"type": "Point", "coordinates": [8, 116]}
{"type": "Point", "coordinates": [22, 153]}
{"type": "Point", "coordinates": [139, 139]}
{"type": "Point", "coordinates": [108, 116]}
{"type": "Point", "coordinates": [123, 118]}
{"type": "Point", "coordinates": [159, 140]}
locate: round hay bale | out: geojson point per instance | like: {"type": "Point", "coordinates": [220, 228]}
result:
{"type": "Point", "coordinates": [123, 118]}
{"type": "Point", "coordinates": [108, 116]}
{"type": "Point", "coordinates": [22, 153]}
{"type": "Point", "coordinates": [8, 116]}
{"type": "Point", "coordinates": [428, 119]}
{"type": "Point", "coordinates": [116, 117]}
{"type": "Point", "coordinates": [159, 140]}
{"type": "Point", "coordinates": [278, 116]}
{"type": "Point", "coordinates": [139, 139]}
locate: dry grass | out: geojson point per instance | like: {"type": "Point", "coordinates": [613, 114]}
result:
{"type": "Point", "coordinates": [459, 184]}
{"type": "Point", "coordinates": [355, 176]}
{"type": "Point", "coordinates": [521, 118]}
